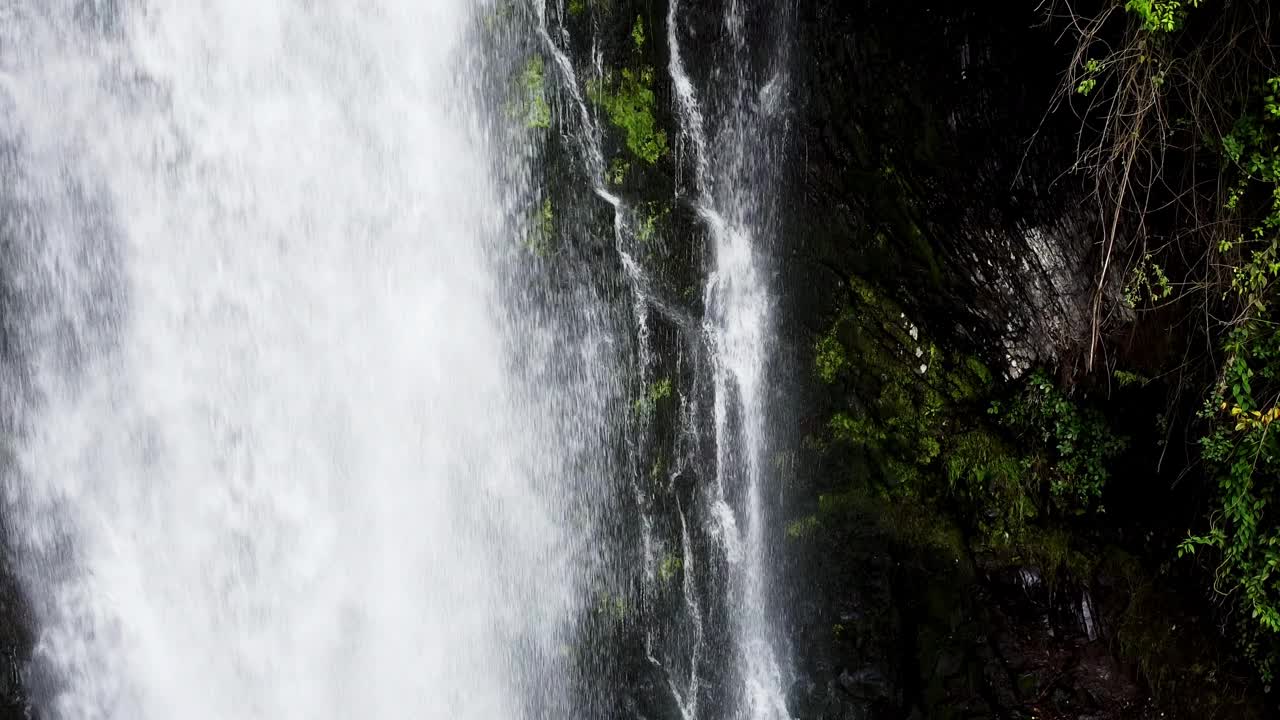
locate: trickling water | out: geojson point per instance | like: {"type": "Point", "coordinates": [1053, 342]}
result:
{"type": "Point", "coordinates": [719, 644]}
{"type": "Point", "coordinates": [734, 166]}
{"type": "Point", "coordinates": [271, 458]}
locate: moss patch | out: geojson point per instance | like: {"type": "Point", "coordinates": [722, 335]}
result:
{"type": "Point", "coordinates": [629, 103]}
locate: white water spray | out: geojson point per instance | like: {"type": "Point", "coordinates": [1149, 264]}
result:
{"type": "Point", "coordinates": [738, 330]}
{"type": "Point", "coordinates": [272, 463]}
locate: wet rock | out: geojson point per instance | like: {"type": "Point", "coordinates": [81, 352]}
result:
{"type": "Point", "coordinates": [866, 684]}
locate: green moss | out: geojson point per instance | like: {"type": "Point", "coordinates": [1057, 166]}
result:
{"type": "Point", "coordinates": [656, 393]}
{"type": "Point", "coordinates": [670, 567]}
{"type": "Point", "coordinates": [804, 527]}
{"type": "Point", "coordinates": [829, 357]}
{"type": "Point", "coordinates": [656, 470]}
{"type": "Point", "coordinates": [629, 103]}
{"type": "Point", "coordinates": [536, 110]}
{"type": "Point", "coordinates": [1166, 641]}
{"type": "Point", "coordinates": [499, 16]}
{"type": "Point", "coordinates": [989, 476]}
{"type": "Point", "coordinates": [542, 231]}
{"type": "Point", "coordinates": [618, 170]}
{"type": "Point", "coordinates": [906, 522]}
{"type": "Point", "coordinates": [577, 7]}
{"type": "Point", "coordinates": [1055, 552]}
{"type": "Point", "coordinates": [614, 607]}
{"type": "Point", "coordinates": [660, 390]}
{"type": "Point", "coordinates": [857, 430]}
{"type": "Point", "coordinates": [637, 33]}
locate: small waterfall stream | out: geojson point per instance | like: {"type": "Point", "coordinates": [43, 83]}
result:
{"type": "Point", "coordinates": [738, 329]}
{"type": "Point", "coordinates": [731, 343]}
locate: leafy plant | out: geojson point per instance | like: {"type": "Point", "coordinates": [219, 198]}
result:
{"type": "Point", "coordinates": [1241, 446]}
{"type": "Point", "coordinates": [1079, 442]}
{"type": "Point", "coordinates": [1161, 16]}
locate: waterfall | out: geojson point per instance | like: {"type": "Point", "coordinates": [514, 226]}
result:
{"type": "Point", "coordinates": [284, 444]}
{"type": "Point", "coordinates": [300, 423]}
{"type": "Point", "coordinates": [713, 634]}
{"type": "Point", "coordinates": [734, 166]}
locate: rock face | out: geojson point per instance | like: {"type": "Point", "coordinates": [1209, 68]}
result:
{"type": "Point", "coordinates": [926, 164]}
{"type": "Point", "coordinates": [896, 628]}
{"type": "Point", "coordinates": [926, 160]}
{"type": "Point", "coordinates": [15, 647]}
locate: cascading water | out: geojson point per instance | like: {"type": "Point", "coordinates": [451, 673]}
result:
{"type": "Point", "coordinates": [734, 163]}
{"type": "Point", "coordinates": [303, 420]}
{"type": "Point", "coordinates": [272, 456]}
{"type": "Point", "coordinates": [715, 644]}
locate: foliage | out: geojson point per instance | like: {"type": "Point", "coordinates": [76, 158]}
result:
{"type": "Point", "coordinates": [920, 425]}
{"type": "Point", "coordinates": [618, 170]}
{"type": "Point", "coordinates": [1147, 283]}
{"type": "Point", "coordinates": [1078, 440]}
{"type": "Point", "coordinates": [1175, 100]}
{"type": "Point", "coordinates": [629, 103]}
{"type": "Point", "coordinates": [1241, 447]}
{"type": "Point", "coordinates": [1125, 378]}
{"type": "Point", "coordinates": [986, 473]}
{"type": "Point", "coordinates": [637, 33]}
{"type": "Point", "coordinates": [1161, 16]}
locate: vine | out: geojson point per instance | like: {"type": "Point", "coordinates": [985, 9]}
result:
{"type": "Point", "coordinates": [1241, 447]}
{"type": "Point", "coordinates": [1179, 91]}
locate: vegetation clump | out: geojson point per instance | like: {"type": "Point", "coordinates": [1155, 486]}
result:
{"type": "Point", "coordinates": [658, 391]}
{"type": "Point", "coordinates": [670, 567]}
{"type": "Point", "coordinates": [542, 232]}
{"type": "Point", "coordinates": [535, 110]}
{"type": "Point", "coordinates": [629, 103]}
{"type": "Point", "coordinates": [1181, 89]}
{"type": "Point", "coordinates": [932, 429]}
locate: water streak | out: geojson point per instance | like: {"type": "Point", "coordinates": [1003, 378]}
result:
{"type": "Point", "coordinates": [729, 181]}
